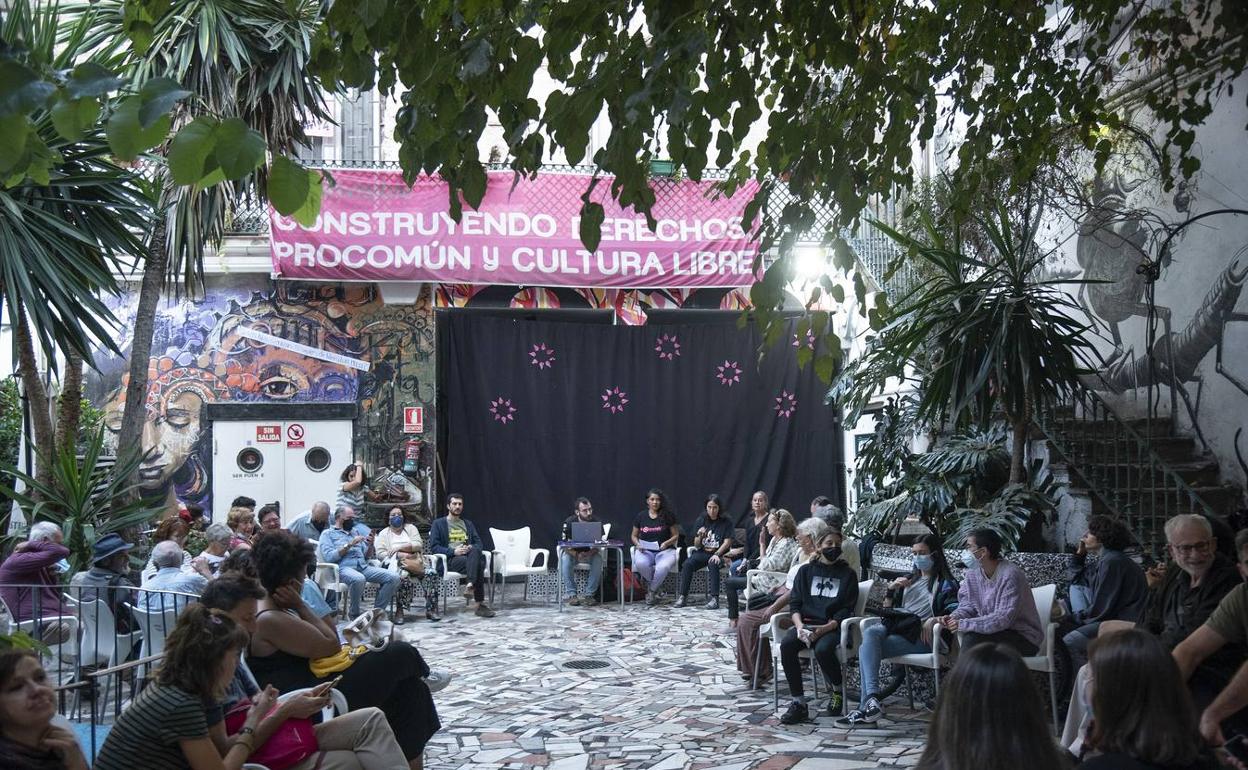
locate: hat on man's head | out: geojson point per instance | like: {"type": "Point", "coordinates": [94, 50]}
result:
{"type": "Point", "coordinates": [109, 545]}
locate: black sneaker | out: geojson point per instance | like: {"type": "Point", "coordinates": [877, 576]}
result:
{"type": "Point", "coordinates": [869, 714]}
{"type": "Point", "coordinates": [836, 704]}
{"type": "Point", "coordinates": [796, 714]}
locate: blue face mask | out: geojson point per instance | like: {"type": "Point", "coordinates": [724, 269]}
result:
{"type": "Point", "coordinates": [969, 560]}
{"type": "Point", "coordinates": [396, 521]}
{"type": "Point", "coordinates": [923, 563]}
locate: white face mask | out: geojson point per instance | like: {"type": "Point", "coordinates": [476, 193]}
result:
{"type": "Point", "coordinates": [969, 560]}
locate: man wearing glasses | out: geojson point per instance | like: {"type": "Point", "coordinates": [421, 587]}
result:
{"type": "Point", "coordinates": [1187, 592]}
{"type": "Point", "coordinates": [573, 556]}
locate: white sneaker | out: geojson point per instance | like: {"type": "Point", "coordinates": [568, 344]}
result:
{"type": "Point", "coordinates": [438, 679]}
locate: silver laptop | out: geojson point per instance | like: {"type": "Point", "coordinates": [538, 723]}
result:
{"type": "Point", "coordinates": [586, 531]}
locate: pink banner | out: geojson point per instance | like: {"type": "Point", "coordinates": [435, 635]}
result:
{"type": "Point", "coordinates": [373, 227]}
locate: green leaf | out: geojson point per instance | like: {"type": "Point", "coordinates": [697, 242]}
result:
{"type": "Point", "coordinates": [295, 191]}
{"type": "Point", "coordinates": [72, 117]}
{"type": "Point", "coordinates": [239, 149]}
{"type": "Point", "coordinates": [126, 137]}
{"type": "Point", "coordinates": [15, 132]}
{"type": "Point", "coordinates": [91, 79]}
{"type": "Point", "coordinates": [190, 150]}
{"type": "Point", "coordinates": [592, 217]}
{"type": "Point", "coordinates": [158, 96]}
{"type": "Point", "coordinates": [21, 89]}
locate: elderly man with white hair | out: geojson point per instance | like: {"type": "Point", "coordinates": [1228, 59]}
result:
{"type": "Point", "coordinates": [29, 578]}
{"type": "Point", "coordinates": [167, 558]}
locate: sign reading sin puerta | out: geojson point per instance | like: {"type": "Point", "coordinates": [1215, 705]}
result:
{"type": "Point", "coordinates": [373, 227]}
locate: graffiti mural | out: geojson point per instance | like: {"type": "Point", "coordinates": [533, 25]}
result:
{"type": "Point", "coordinates": [206, 351]}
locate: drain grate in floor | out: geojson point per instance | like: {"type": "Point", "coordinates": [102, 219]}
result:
{"type": "Point", "coordinates": [585, 664]}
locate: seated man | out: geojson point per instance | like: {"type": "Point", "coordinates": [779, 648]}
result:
{"type": "Point", "coordinates": [456, 538]}
{"type": "Point", "coordinates": [572, 556]}
{"type": "Point", "coordinates": [824, 593]}
{"type": "Point", "coordinates": [310, 524]}
{"type": "Point", "coordinates": [36, 562]}
{"type": "Point", "coordinates": [348, 545]}
{"type": "Point", "coordinates": [167, 558]}
{"type": "Point", "coordinates": [1227, 627]}
{"type": "Point", "coordinates": [109, 579]}
{"type": "Point", "coordinates": [994, 601]}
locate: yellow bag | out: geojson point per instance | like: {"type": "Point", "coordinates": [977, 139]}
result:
{"type": "Point", "coordinates": [339, 661]}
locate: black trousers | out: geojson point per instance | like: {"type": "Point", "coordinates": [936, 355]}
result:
{"type": "Point", "coordinates": [1009, 637]}
{"type": "Point", "coordinates": [471, 564]}
{"type": "Point", "coordinates": [825, 655]}
{"type": "Point", "coordinates": [696, 561]}
{"type": "Point", "coordinates": [734, 586]}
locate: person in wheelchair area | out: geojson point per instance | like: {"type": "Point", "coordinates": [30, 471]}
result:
{"type": "Point", "coordinates": [918, 598]}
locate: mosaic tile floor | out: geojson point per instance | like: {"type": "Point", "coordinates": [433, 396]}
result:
{"type": "Point", "coordinates": [670, 697]}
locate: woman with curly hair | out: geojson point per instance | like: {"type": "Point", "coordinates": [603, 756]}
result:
{"type": "Point", "coordinates": [289, 635]}
{"type": "Point", "coordinates": [1116, 586]}
{"type": "Point", "coordinates": [242, 522]}
{"type": "Point", "coordinates": [655, 535]}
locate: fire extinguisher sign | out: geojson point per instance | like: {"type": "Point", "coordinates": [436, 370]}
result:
{"type": "Point", "coordinates": [413, 419]}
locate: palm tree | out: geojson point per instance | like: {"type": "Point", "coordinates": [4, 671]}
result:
{"type": "Point", "coordinates": [63, 237]}
{"type": "Point", "coordinates": [992, 333]}
{"type": "Point", "coordinates": [244, 59]}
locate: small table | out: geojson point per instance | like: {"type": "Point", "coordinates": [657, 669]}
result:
{"type": "Point", "coordinates": [597, 545]}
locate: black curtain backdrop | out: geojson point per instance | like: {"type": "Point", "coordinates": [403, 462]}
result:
{"type": "Point", "coordinates": [541, 412]}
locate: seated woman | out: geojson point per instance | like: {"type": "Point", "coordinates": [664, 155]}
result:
{"type": "Point", "coordinates": [824, 593]}
{"type": "Point", "coordinates": [781, 554]}
{"type": "Point", "coordinates": [809, 532]}
{"type": "Point", "coordinates": [711, 540]}
{"type": "Point", "coordinates": [927, 593]}
{"type": "Point", "coordinates": [401, 541]}
{"type": "Point", "coordinates": [655, 534]}
{"type": "Point", "coordinates": [288, 636]}
{"type": "Point", "coordinates": [989, 715]}
{"type": "Point", "coordinates": [29, 740]}
{"type": "Point", "coordinates": [217, 538]}
{"type": "Point", "coordinates": [242, 522]}
{"type": "Point", "coordinates": [357, 739]}
{"type": "Point", "coordinates": [1142, 714]}
{"type": "Point", "coordinates": [1116, 586]}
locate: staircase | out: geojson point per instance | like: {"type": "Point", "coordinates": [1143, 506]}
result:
{"type": "Point", "coordinates": [1138, 470]}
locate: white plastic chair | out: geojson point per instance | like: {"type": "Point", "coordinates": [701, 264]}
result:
{"type": "Point", "coordinates": [155, 625]}
{"type": "Point", "coordinates": [516, 558]}
{"type": "Point", "coordinates": [328, 579]}
{"type": "Point", "coordinates": [33, 627]}
{"type": "Point", "coordinates": [749, 580]}
{"type": "Point", "coordinates": [844, 651]}
{"type": "Point", "coordinates": [450, 578]}
{"type": "Point", "coordinates": [100, 643]}
{"type": "Point", "coordinates": [933, 660]}
{"type": "Point", "coordinates": [1045, 660]}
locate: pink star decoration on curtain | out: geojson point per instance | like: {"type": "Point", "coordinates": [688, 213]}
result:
{"type": "Point", "coordinates": [542, 356]}
{"type": "Point", "coordinates": [667, 347]}
{"type": "Point", "coordinates": [614, 399]}
{"type": "Point", "coordinates": [502, 410]}
{"type": "Point", "coordinates": [728, 373]}
{"type": "Point", "coordinates": [786, 404]}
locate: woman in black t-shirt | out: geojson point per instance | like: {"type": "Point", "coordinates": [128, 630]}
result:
{"type": "Point", "coordinates": [711, 540]}
{"type": "Point", "coordinates": [655, 534]}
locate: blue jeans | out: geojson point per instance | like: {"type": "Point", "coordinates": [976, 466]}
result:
{"type": "Point", "coordinates": [878, 644]}
{"type": "Point", "coordinates": [567, 570]}
{"type": "Point", "coordinates": [387, 583]}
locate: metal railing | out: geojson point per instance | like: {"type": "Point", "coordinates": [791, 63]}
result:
{"type": "Point", "coordinates": [101, 645]}
{"type": "Point", "coordinates": [1122, 465]}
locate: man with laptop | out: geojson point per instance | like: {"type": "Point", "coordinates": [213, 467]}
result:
{"type": "Point", "coordinates": [581, 527]}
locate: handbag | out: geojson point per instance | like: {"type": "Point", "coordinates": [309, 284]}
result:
{"type": "Point", "coordinates": [903, 624]}
{"type": "Point", "coordinates": [761, 600]}
{"type": "Point", "coordinates": [339, 661]}
{"type": "Point", "coordinates": [293, 742]}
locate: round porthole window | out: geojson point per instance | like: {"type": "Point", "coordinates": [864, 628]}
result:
{"type": "Point", "coordinates": [250, 460]}
{"type": "Point", "coordinates": [317, 459]}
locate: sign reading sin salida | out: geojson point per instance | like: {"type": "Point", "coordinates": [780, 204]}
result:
{"type": "Point", "coordinates": [374, 228]}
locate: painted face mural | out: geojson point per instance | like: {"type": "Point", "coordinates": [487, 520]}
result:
{"type": "Point", "coordinates": [243, 345]}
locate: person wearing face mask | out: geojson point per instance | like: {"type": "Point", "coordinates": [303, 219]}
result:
{"type": "Point", "coordinates": [994, 602]}
{"type": "Point", "coordinates": [1116, 586]}
{"type": "Point", "coordinates": [399, 546]}
{"type": "Point", "coordinates": [824, 593]}
{"type": "Point", "coordinates": [348, 545]}
{"type": "Point", "coordinates": [926, 593]}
